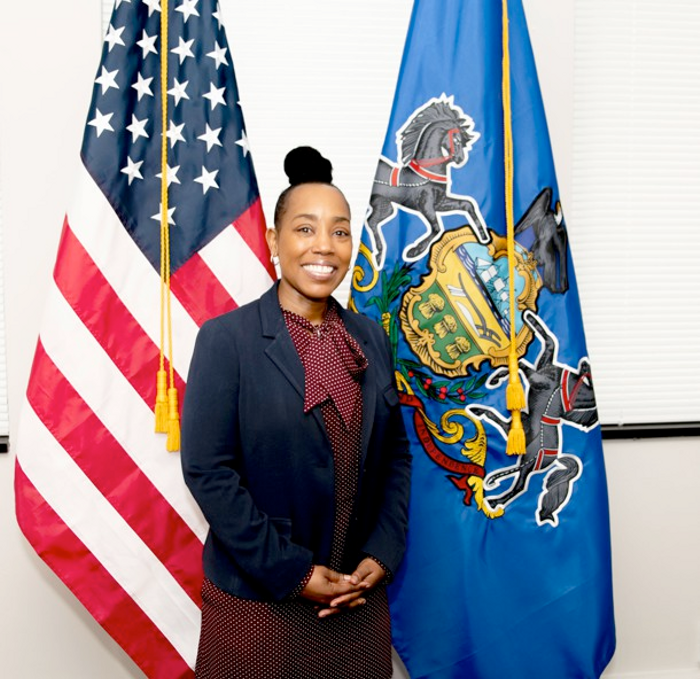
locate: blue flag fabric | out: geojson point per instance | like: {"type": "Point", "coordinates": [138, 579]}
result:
{"type": "Point", "coordinates": [508, 568]}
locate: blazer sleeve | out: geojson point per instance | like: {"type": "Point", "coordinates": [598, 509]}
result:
{"type": "Point", "coordinates": [387, 541]}
{"type": "Point", "coordinates": [210, 453]}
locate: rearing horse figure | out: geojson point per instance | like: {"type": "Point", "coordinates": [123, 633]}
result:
{"type": "Point", "coordinates": [438, 136]}
{"type": "Point", "coordinates": [557, 396]}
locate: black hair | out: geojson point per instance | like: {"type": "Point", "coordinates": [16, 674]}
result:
{"type": "Point", "coordinates": [303, 165]}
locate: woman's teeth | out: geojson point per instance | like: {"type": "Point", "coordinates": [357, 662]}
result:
{"type": "Point", "coordinates": [319, 268]}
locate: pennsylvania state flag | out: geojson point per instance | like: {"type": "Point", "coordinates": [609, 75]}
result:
{"type": "Point", "coordinates": [465, 261]}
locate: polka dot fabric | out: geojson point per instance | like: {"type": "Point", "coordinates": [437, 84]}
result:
{"type": "Point", "coordinates": [255, 640]}
{"type": "Point", "coordinates": [333, 363]}
{"type": "Point", "coordinates": [252, 640]}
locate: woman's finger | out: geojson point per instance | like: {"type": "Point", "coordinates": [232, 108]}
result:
{"type": "Point", "coordinates": [346, 599]}
{"type": "Point", "coordinates": [335, 610]}
{"type": "Point", "coordinates": [368, 573]}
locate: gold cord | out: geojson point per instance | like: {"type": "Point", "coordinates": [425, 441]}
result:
{"type": "Point", "coordinates": [166, 407]}
{"type": "Point", "coordinates": [515, 395]}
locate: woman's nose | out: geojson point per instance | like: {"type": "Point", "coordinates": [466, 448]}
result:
{"type": "Point", "coordinates": [323, 243]}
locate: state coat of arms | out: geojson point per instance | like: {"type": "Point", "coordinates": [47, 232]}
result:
{"type": "Point", "coordinates": [458, 316]}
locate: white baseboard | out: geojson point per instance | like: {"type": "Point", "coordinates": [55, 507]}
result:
{"type": "Point", "coordinates": [658, 674]}
{"type": "Point", "coordinates": [400, 673]}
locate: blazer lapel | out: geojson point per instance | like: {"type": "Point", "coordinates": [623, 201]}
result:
{"type": "Point", "coordinates": [281, 350]}
{"type": "Point", "coordinates": [369, 401]}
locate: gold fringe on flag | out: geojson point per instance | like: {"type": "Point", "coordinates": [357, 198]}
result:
{"type": "Point", "coordinates": [515, 394]}
{"type": "Point", "coordinates": [166, 406]}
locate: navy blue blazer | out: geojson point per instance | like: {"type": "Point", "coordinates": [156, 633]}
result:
{"type": "Point", "coordinates": [262, 470]}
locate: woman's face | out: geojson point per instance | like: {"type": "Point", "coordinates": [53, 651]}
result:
{"type": "Point", "coordinates": [313, 242]}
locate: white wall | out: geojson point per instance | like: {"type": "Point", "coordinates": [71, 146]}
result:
{"type": "Point", "coordinates": [48, 57]}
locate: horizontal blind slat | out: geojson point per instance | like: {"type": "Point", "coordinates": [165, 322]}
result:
{"type": "Point", "coordinates": [633, 213]}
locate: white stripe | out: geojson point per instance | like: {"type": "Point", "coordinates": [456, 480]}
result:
{"type": "Point", "coordinates": [91, 372]}
{"type": "Point", "coordinates": [236, 266]}
{"type": "Point", "coordinates": [103, 531]}
{"type": "Point", "coordinates": [130, 274]}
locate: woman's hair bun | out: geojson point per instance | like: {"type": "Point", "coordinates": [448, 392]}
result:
{"type": "Point", "coordinates": [304, 165]}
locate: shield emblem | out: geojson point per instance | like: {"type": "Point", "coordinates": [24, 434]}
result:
{"type": "Point", "coordinates": [459, 315]}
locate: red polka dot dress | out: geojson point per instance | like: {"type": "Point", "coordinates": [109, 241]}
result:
{"type": "Point", "coordinates": [259, 640]}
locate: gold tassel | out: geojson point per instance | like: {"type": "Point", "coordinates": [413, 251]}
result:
{"type": "Point", "coordinates": [515, 394]}
{"type": "Point", "coordinates": [516, 436]}
{"type": "Point", "coordinates": [161, 402]}
{"type": "Point", "coordinates": [172, 444]}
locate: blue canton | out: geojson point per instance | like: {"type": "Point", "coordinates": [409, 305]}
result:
{"type": "Point", "coordinates": [210, 176]}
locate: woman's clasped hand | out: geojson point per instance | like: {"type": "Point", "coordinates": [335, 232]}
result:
{"type": "Point", "coordinates": [338, 591]}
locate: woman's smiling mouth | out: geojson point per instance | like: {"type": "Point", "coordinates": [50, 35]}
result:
{"type": "Point", "coordinates": [319, 269]}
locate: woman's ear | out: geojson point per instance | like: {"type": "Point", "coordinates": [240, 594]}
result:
{"type": "Point", "coordinates": [271, 238]}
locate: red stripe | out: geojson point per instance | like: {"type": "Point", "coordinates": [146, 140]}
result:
{"type": "Point", "coordinates": [251, 226]}
{"type": "Point", "coordinates": [394, 181]}
{"type": "Point", "coordinates": [565, 390]}
{"type": "Point", "coordinates": [572, 396]}
{"type": "Point", "coordinates": [99, 308]}
{"type": "Point", "coordinates": [89, 443]}
{"type": "Point", "coordinates": [90, 582]}
{"type": "Point", "coordinates": [432, 176]}
{"type": "Point", "coordinates": [200, 291]}
{"type": "Point", "coordinates": [540, 457]}
{"type": "Point", "coordinates": [197, 287]}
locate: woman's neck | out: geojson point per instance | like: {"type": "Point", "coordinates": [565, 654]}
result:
{"type": "Point", "coordinates": [313, 310]}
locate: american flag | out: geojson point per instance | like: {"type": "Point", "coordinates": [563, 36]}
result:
{"type": "Point", "coordinates": [97, 495]}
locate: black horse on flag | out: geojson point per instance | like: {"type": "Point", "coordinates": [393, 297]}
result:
{"type": "Point", "coordinates": [557, 396]}
{"type": "Point", "coordinates": [438, 136]}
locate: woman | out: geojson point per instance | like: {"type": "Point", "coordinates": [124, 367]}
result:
{"type": "Point", "coordinates": [294, 448]}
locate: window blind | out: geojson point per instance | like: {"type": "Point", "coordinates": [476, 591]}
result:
{"type": "Point", "coordinates": [636, 202]}
{"type": "Point", "coordinates": [107, 7]}
{"type": "Point", "coordinates": [4, 410]}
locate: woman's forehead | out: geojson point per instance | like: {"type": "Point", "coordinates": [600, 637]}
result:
{"type": "Point", "coordinates": [311, 199]}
